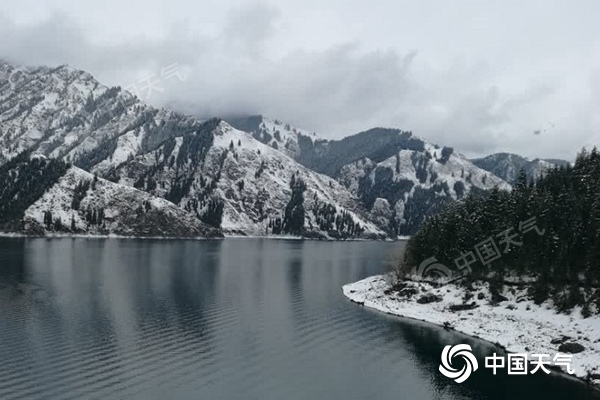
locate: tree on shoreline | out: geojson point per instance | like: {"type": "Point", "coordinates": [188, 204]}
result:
{"type": "Point", "coordinates": [561, 252]}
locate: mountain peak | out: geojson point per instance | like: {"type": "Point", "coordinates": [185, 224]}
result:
{"type": "Point", "coordinates": [248, 175]}
{"type": "Point", "coordinates": [275, 133]}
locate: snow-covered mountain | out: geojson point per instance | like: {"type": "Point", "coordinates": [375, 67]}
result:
{"type": "Point", "coordinates": [65, 113]}
{"type": "Point", "coordinates": [401, 190]}
{"type": "Point", "coordinates": [259, 176]}
{"type": "Point", "coordinates": [231, 180]}
{"type": "Point", "coordinates": [281, 136]}
{"type": "Point", "coordinates": [399, 177]}
{"type": "Point", "coordinates": [225, 177]}
{"type": "Point", "coordinates": [508, 166]}
{"type": "Point", "coordinates": [41, 196]}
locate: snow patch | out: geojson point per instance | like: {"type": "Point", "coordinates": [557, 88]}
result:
{"type": "Point", "coordinates": [517, 324]}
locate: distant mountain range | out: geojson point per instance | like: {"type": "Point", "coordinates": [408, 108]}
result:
{"type": "Point", "coordinates": [90, 159]}
{"type": "Point", "coordinates": [508, 166]}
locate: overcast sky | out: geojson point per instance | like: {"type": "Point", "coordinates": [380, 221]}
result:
{"type": "Point", "coordinates": [481, 76]}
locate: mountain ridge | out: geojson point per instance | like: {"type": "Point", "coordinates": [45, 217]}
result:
{"type": "Point", "coordinates": [399, 177]}
{"type": "Point", "coordinates": [273, 179]}
{"type": "Point", "coordinates": [508, 166]}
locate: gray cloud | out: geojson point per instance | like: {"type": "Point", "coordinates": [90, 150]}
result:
{"type": "Point", "coordinates": [251, 59]}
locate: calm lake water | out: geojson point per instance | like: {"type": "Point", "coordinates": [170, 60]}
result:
{"type": "Point", "coordinates": [230, 319]}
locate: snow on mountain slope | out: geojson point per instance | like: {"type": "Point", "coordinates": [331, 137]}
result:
{"type": "Point", "coordinates": [248, 156]}
{"type": "Point", "coordinates": [82, 203]}
{"type": "Point", "coordinates": [281, 136]}
{"type": "Point", "coordinates": [508, 166]}
{"type": "Point", "coordinates": [383, 176]}
{"type": "Point", "coordinates": [538, 167]}
{"type": "Point", "coordinates": [243, 185]}
{"type": "Point", "coordinates": [65, 113]}
{"type": "Point", "coordinates": [402, 190]}
{"type": "Point", "coordinates": [399, 177]}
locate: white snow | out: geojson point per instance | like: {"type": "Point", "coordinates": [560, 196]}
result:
{"type": "Point", "coordinates": [57, 98]}
{"type": "Point", "coordinates": [58, 126]}
{"type": "Point", "coordinates": [119, 203]}
{"type": "Point", "coordinates": [284, 136]}
{"type": "Point", "coordinates": [517, 324]}
{"type": "Point", "coordinates": [272, 185]}
{"type": "Point", "coordinates": [235, 157]}
{"type": "Point", "coordinates": [456, 169]}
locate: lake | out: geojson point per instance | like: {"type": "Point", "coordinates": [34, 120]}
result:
{"type": "Point", "coordinates": [229, 319]}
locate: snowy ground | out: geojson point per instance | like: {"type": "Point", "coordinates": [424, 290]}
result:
{"type": "Point", "coordinates": [517, 324]}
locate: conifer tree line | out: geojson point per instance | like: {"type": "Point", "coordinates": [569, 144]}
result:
{"type": "Point", "coordinates": [563, 254]}
{"type": "Point", "coordinates": [328, 218]}
{"type": "Point", "coordinates": [213, 215]}
{"type": "Point", "coordinates": [23, 180]}
{"type": "Point", "coordinates": [337, 224]}
{"type": "Point", "coordinates": [293, 216]}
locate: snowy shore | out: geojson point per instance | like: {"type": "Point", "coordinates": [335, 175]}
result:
{"type": "Point", "coordinates": [515, 323]}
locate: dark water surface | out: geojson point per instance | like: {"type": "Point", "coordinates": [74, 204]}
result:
{"type": "Point", "coordinates": [231, 319]}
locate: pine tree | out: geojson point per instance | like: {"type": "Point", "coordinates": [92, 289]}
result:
{"type": "Point", "coordinates": [293, 221]}
{"type": "Point", "coordinates": [564, 206]}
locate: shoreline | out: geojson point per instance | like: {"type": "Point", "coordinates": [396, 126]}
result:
{"type": "Point", "coordinates": [196, 238]}
{"type": "Point", "coordinates": [95, 236]}
{"type": "Point", "coordinates": [516, 324]}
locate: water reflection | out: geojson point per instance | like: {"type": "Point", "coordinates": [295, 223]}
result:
{"type": "Point", "coordinates": [247, 319]}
